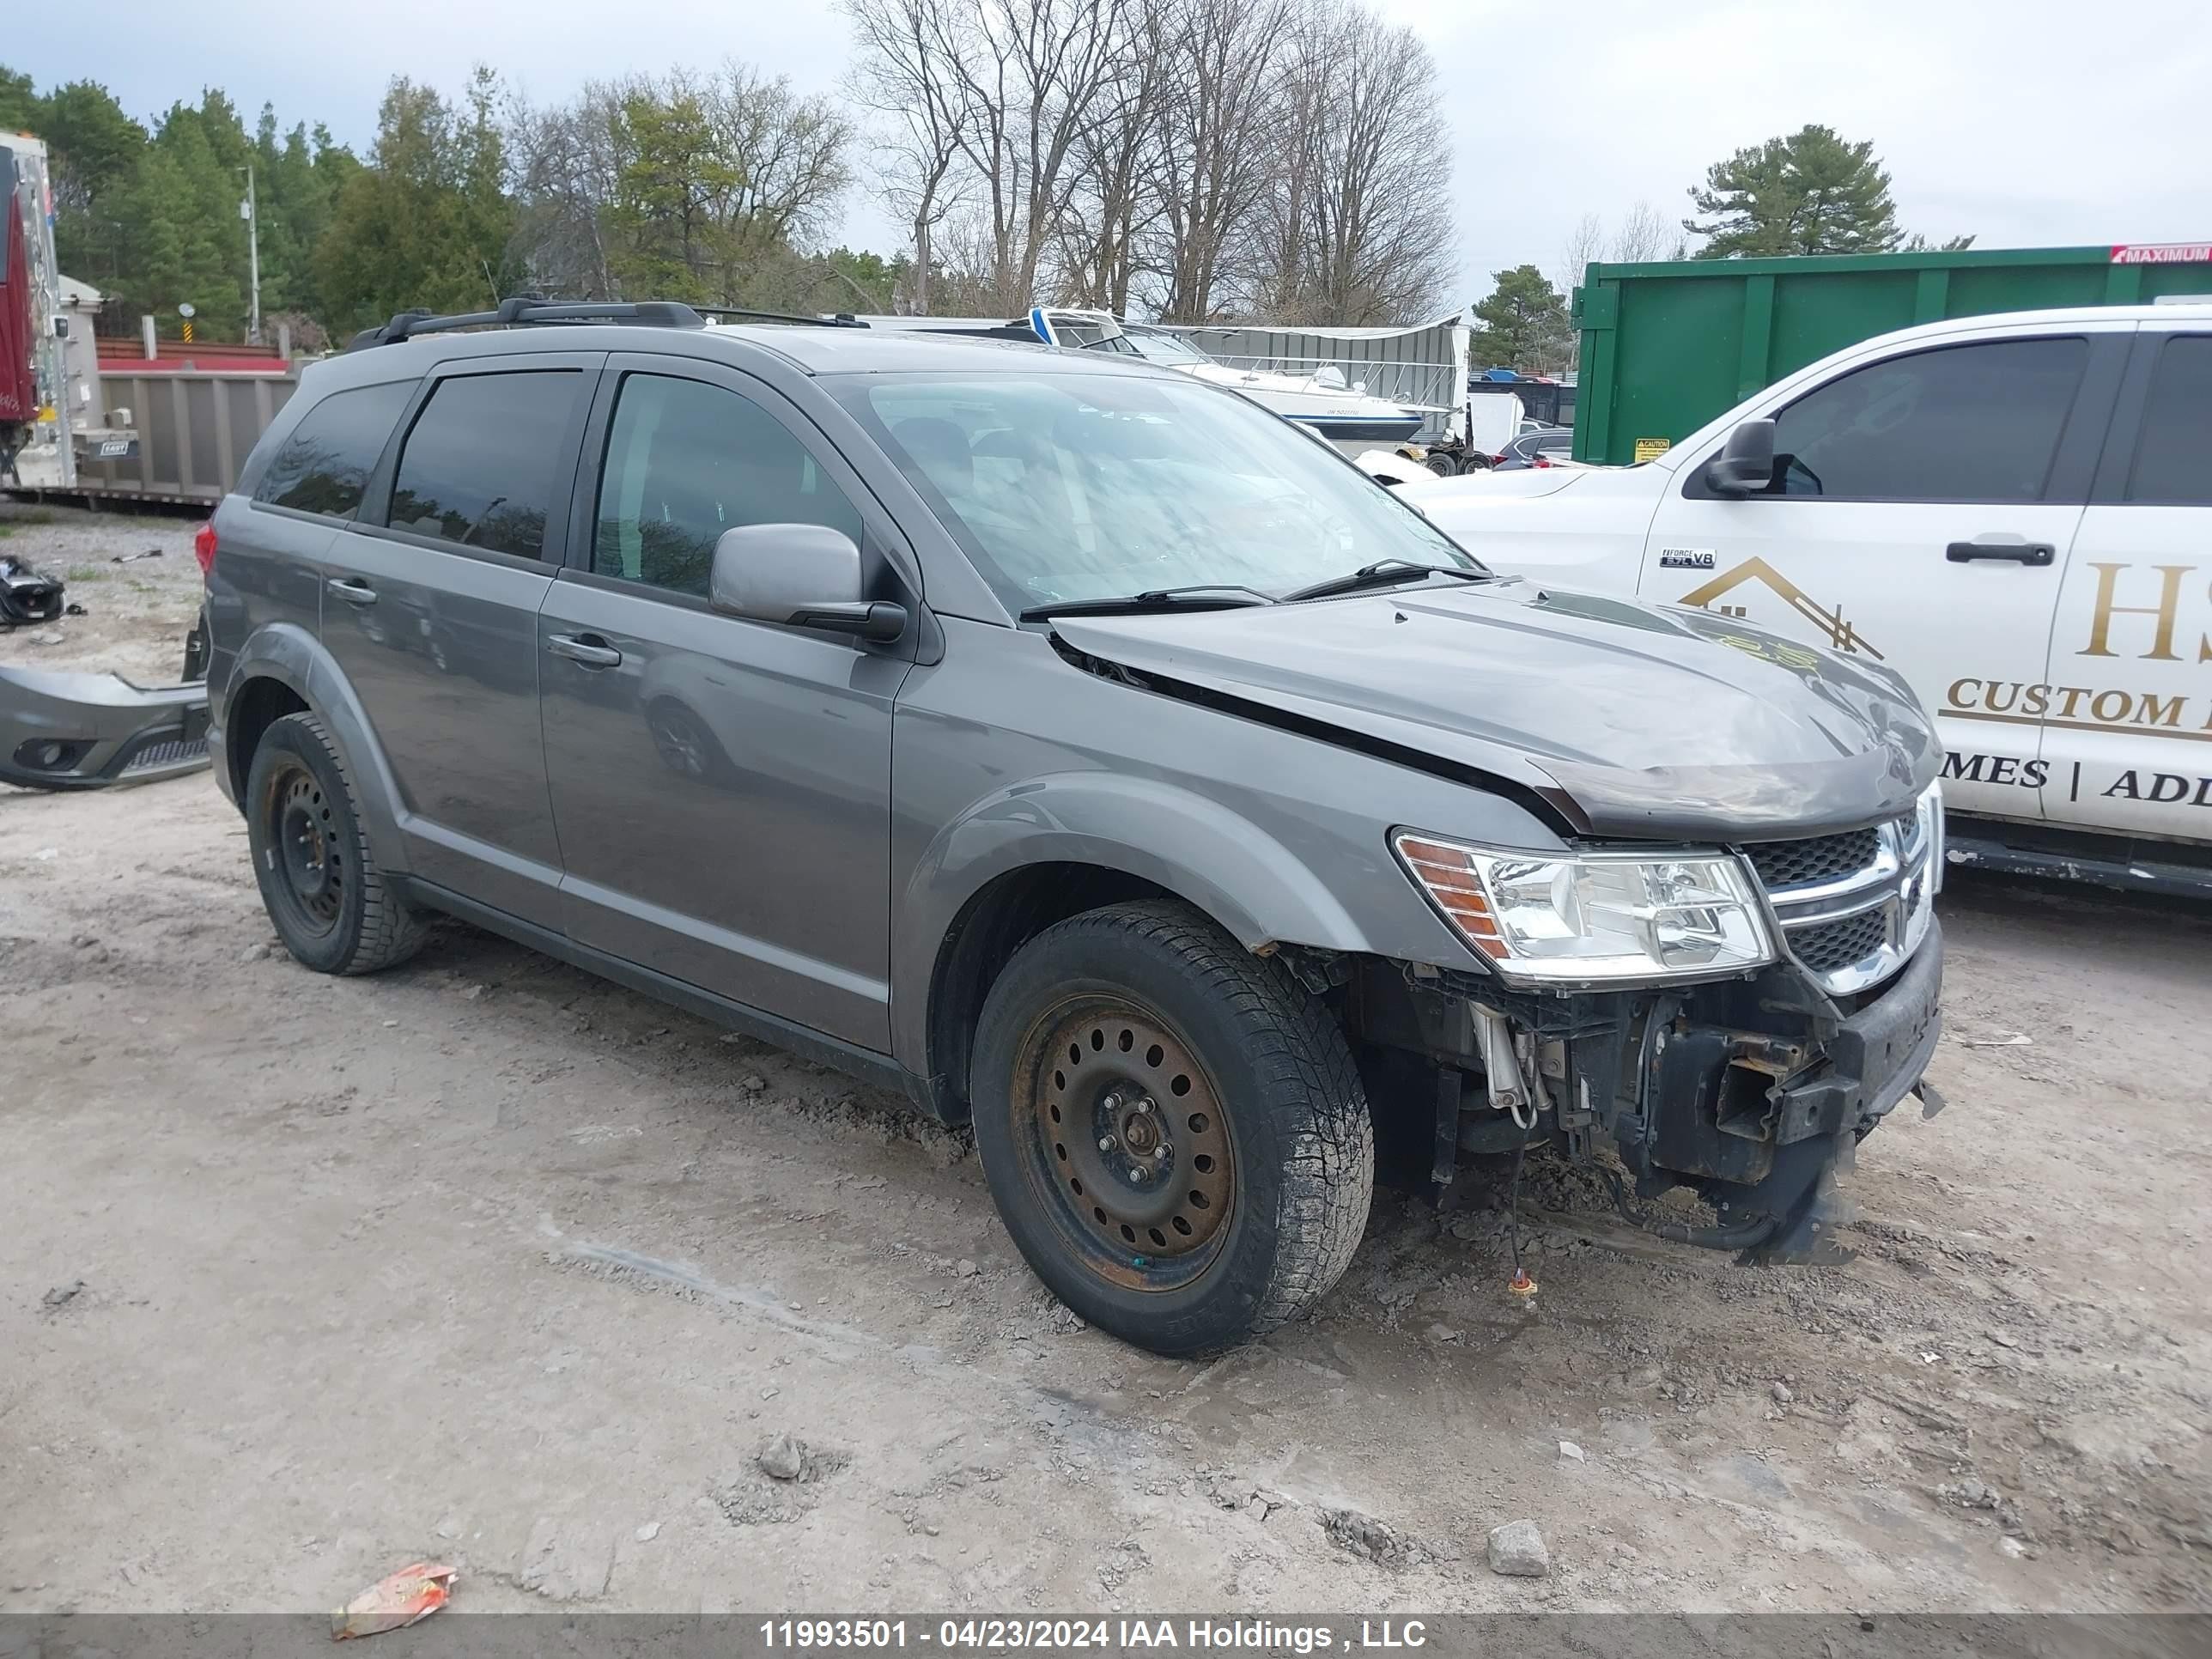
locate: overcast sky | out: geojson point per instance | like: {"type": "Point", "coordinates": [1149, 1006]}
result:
{"type": "Point", "coordinates": [2030, 123]}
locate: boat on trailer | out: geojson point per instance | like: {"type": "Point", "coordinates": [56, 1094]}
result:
{"type": "Point", "coordinates": [1322, 400]}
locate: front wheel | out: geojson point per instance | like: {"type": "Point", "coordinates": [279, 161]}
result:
{"type": "Point", "coordinates": [1173, 1129]}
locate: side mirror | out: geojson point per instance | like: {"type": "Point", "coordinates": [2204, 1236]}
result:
{"type": "Point", "coordinates": [1746, 462]}
{"type": "Point", "coordinates": [802, 575]}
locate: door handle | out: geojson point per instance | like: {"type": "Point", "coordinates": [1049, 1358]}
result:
{"type": "Point", "coordinates": [2015, 552]}
{"type": "Point", "coordinates": [588, 650]}
{"type": "Point", "coordinates": [352, 590]}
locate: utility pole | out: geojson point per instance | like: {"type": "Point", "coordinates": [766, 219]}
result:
{"type": "Point", "coordinates": [246, 212]}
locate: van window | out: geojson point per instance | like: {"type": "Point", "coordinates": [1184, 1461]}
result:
{"type": "Point", "coordinates": [1976, 423]}
{"type": "Point", "coordinates": [2173, 456]}
{"type": "Point", "coordinates": [481, 466]}
{"type": "Point", "coordinates": [686, 461]}
{"type": "Point", "coordinates": [323, 467]}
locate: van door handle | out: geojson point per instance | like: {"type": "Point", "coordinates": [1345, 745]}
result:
{"type": "Point", "coordinates": [2017, 552]}
{"type": "Point", "coordinates": [352, 590]}
{"type": "Point", "coordinates": [588, 650]}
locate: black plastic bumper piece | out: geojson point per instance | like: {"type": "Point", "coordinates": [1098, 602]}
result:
{"type": "Point", "coordinates": [1876, 1057]}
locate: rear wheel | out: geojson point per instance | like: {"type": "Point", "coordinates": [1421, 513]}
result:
{"type": "Point", "coordinates": [1444, 466]}
{"type": "Point", "coordinates": [1173, 1129]}
{"type": "Point", "coordinates": [331, 904]}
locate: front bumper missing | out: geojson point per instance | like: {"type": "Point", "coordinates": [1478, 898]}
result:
{"type": "Point", "coordinates": [1763, 1124]}
{"type": "Point", "coordinates": [64, 730]}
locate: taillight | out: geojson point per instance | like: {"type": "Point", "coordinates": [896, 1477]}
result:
{"type": "Point", "coordinates": [1539, 461]}
{"type": "Point", "coordinates": [1497, 459]}
{"type": "Point", "coordinates": [203, 548]}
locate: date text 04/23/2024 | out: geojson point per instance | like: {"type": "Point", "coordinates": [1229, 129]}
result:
{"type": "Point", "coordinates": [1075, 1634]}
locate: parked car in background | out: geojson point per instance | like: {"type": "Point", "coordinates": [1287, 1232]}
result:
{"type": "Point", "coordinates": [2013, 511]}
{"type": "Point", "coordinates": [1085, 751]}
{"type": "Point", "coordinates": [1544, 447]}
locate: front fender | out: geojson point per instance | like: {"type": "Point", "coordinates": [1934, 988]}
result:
{"type": "Point", "coordinates": [289, 655]}
{"type": "Point", "coordinates": [1258, 889]}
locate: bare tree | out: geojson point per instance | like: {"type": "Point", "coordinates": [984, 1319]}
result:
{"type": "Point", "coordinates": [1014, 85]}
{"type": "Point", "coordinates": [1643, 235]}
{"type": "Point", "coordinates": [899, 72]}
{"type": "Point", "coordinates": [563, 164]}
{"type": "Point", "coordinates": [1283, 157]}
{"type": "Point", "coordinates": [1584, 246]}
{"type": "Point", "coordinates": [1214, 143]}
{"type": "Point", "coordinates": [786, 159]}
{"type": "Point", "coordinates": [1111, 204]}
{"type": "Point", "coordinates": [1363, 216]}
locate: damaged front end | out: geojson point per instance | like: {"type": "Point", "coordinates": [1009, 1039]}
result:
{"type": "Point", "coordinates": [65, 730]}
{"type": "Point", "coordinates": [1750, 1090]}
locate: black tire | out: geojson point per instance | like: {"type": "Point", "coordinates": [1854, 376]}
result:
{"type": "Point", "coordinates": [1445, 466]}
{"type": "Point", "coordinates": [331, 906]}
{"type": "Point", "coordinates": [1224, 1026]}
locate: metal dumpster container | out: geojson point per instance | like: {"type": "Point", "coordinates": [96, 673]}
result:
{"type": "Point", "coordinates": [1666, 347]}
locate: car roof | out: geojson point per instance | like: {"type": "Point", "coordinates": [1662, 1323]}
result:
{"type": "Point", "coordinates": [825, 350]}
{"type": "Point", "coordinates": [2192, 313]}
{"type": "Point", "coordinates": [887, 352]}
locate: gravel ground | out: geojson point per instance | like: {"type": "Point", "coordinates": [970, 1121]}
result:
{"type": "Point", "coordinates": [304, 1278]}
{"type": "Point", "coordinates": [136, 613]}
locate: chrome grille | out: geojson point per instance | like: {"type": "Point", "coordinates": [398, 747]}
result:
{"type": "Point", "coordinates": [1826, 947]}
{"type": "Point", "coordinates": [1853, 907]}
{"type": "Point", "coordinates": [1822, 858]}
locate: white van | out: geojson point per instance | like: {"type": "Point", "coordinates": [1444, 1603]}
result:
{"type": "Point", "coordinates": [2014, 510]}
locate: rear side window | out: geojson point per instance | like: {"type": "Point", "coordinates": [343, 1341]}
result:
{"type": "Point", "coordinates": [686, 461]}
{"type": "Point", "coordinates": [323, 467]}
{"type": "Point", "coordinates": [1974, 422]}
{"type": "Point", "coordinates": [2173, 456]}
{"type": "Point", "coordinates": [480, 467]}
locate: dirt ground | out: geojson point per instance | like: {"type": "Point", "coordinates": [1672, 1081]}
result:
{"type": "Point", "coordinates": [301, 1280]}
{"type": "Point", "coordinates": [135, 612]}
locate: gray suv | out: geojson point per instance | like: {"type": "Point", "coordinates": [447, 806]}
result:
{"type": "Point", "coordinates": [1090, 754]}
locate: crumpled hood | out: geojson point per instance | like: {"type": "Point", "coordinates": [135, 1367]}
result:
{"type": "Point", "coordinates": [1630, 720]}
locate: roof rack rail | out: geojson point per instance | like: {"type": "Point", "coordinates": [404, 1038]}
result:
{"type": "Point", "coordinates": [842, 319]}
{"type": "Point", "coordinates": [525, 309]}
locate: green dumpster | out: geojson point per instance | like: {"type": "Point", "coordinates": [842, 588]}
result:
{"type": "Point", "coordinates": [1667, 346]}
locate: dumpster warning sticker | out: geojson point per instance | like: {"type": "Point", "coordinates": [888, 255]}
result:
{"type": "Point", "coordinates": [1650, 449]}
{"type": "Point", "coordinates": [2161, 253]}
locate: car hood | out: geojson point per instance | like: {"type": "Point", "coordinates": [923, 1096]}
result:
{"type": "Point", "coordinates": [1512, 483]}
{"type": "Point", "coordinates": [1627, 720]}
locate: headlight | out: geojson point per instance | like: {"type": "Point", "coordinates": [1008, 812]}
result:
{"type": "Point", "coordinates": [1594, 916]}
{"type": "Point", "coordinates": [1927, 834]}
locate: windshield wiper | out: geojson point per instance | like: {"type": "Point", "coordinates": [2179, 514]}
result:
{"type": "Point", "coordinates": [1200, 596]}
{"type": "Point", "coordinates": [1384, 573]}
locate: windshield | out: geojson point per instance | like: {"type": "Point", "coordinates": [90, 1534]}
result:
{"type": "Point", "coordinates": [1083, 486]}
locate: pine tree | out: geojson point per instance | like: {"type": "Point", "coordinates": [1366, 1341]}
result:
{"type": "Point", "coordinates": [1810, 192]}
{"type": "Point", "coordinates": [427, 222]}
{"type": "Point", "coordinates": [1523, 324]}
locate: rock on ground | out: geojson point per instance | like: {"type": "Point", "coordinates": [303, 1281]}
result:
{"type": "Point", "coordinates": [1516, 1551]}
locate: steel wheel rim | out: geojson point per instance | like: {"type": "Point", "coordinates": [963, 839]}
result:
{"type": "Point", "coordinates": [304, 850]}
{"type": "Point", "coordinates": [1123, 1136]}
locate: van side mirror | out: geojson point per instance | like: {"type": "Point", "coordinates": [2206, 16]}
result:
{"type": "Point", "coordinates": [802, 575]}
{"type": "Point", "coordinates": [1746, 462]}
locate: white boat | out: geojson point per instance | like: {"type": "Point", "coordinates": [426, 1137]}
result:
{"type": "Point", "coordinates": [1321, 401]}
